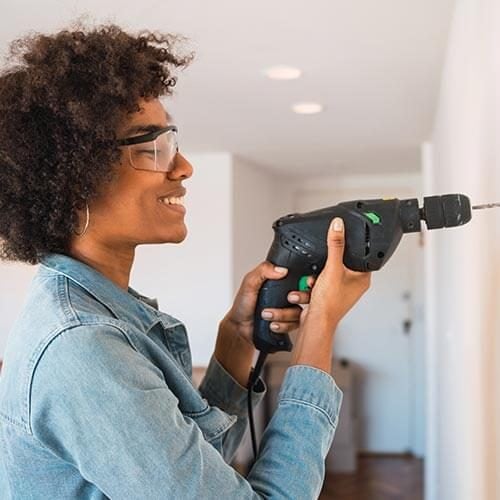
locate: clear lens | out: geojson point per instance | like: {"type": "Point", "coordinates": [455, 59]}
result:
{"type": "Point", "coordinates": [157, 155]}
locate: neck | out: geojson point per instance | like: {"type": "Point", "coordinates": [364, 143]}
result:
{"type": "Point", "coordinates": [113, 262]}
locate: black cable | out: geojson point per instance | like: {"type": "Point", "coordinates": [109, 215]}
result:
{"type": "Point", "coordinates": [252, 380]}
{"type": "Point", "coordinates": [252, 428]}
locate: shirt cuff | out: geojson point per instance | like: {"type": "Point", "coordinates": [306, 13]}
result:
{"type": "Point", "coordinates": [311, 386]}
{"type": "Point", "coordinates": [222, 390]}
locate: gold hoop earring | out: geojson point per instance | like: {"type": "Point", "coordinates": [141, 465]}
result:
{"type": "Point", "coordinates": [86, 222]}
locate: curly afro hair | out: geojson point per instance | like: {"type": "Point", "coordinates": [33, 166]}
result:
{"type": "Point", "coordinates": [60, 104]}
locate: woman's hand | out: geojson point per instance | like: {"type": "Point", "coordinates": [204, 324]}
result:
{"type": "Point", "coordinates": [337, 288]}
{"type": "Point", "coordinates": [283, 320]}
{"type": "Point", "coordinates": [335, 292]}
{"type": "Point", "coordinates": [234, 348]}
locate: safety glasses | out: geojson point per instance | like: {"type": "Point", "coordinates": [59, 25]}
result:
{"type": "Point", "coordinates": [153, 151]}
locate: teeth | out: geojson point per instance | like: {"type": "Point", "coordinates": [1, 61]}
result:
{"type": "Point", "coordinates": [172, 201]}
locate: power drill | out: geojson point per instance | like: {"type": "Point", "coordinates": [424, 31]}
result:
{"type": "Point", "coordinates": [373, 230]}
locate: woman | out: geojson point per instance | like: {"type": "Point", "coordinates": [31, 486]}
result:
{"type": "Point", "coordinates": [96, 398]}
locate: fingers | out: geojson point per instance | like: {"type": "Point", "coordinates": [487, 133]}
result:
{"type": "Point", "coordinates": [297, 297]}
{"type": "Point", "coordinates": [284, 327]}
{"type": "Point", "coordinates": [283, 320]}
{"type": "Point", "coordinates": [336, 244]}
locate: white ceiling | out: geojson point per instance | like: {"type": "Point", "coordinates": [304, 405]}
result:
{"type": "Point", "coordinates": [375, 65]}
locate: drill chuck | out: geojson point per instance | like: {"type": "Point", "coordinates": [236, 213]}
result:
{"type": "Point", "coordinates": [449, 210]}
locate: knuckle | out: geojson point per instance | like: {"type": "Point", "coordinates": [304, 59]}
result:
{"type": "Point", "coordinates": [252, 280]}
{"type": "Point", "coordinates": [258, 274]}
{"type": "Point", "coordinates": [248, 278]}
{"type": "Point", "coordinates": [265, 265]}
{"type": "Point", "coordinates": [337, 242]}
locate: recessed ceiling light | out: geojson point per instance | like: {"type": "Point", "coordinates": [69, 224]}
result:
{"type": "Point", "coordinates": [283, 73]}
{"type": "Point", "coordinates": [307, 108]}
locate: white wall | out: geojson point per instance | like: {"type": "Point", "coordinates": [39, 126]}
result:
{"type": "Point", "coordinates": [431, 336]}
{"type": "Point", "coordinates": [493, 414]}
{"type": "Point", "coordinates": [15, 280]}
{"type": "Point", "coordinates": [467, 260]}
{"type": "Point", "coordinates": [379, 183]}
{"type": "Point", "coordinates": [193, 280]}
{"type": "Point", "coordinates": [257, 202]}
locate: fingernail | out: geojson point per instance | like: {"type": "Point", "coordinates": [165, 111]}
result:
{"type": "Point", "coordinates": [337, 224]}
{"type": "Point", "coordinates": [281, 270]}
{"type": "Point", "coordinates": [275, 326]}
{"type": "Point", "coordinates": [267, 314]}
{"type": "Point", "coordinates": [293, 298]}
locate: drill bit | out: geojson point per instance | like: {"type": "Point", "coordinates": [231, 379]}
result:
{"type": "Point", "coordinates": [486, 205]}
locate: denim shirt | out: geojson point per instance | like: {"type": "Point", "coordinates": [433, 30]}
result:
{"type": "Point", "coordinates": [97, 401]}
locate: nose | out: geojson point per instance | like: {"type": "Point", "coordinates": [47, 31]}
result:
{"type": "Point", "coordinates": [182, 168]}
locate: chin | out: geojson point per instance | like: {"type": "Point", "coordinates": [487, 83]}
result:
{"type": "Point", "coordinates": [177, 237]}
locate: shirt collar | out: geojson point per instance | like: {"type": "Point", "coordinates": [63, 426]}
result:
{"type": "Point", "coordinates": [131, 306]}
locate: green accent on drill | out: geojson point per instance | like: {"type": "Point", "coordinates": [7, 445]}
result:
{"type": "Point", "coordinates": [303, 286]}
{"type": "Point", "coordinates": [375, 218]}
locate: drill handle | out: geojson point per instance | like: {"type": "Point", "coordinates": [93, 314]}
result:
{"type": "Point", "coordinates": [273, 294]}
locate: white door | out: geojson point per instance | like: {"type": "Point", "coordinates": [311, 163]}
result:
{"type": "Point", "coordinates": [373, 337]}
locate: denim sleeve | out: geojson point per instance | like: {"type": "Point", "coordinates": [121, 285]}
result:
{"type": "Point", "coordinates": [104, 407]}
{"type": "Point", "coordinates": [222, 390]}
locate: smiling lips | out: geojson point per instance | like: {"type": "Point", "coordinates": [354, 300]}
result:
{"type": "Point", "coordinates": [174, 200]}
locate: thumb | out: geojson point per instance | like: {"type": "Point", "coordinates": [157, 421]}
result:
{"type": "Point", "coordinates": [336, 242]}
{"type": "Point", "coordinates": [253, 280]}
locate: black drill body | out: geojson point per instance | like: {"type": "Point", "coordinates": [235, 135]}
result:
{"type": "Point", "coordinates": [373, 230]}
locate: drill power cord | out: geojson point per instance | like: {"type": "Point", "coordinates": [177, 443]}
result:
{"type": "Point", "coordinates": [252, 381]}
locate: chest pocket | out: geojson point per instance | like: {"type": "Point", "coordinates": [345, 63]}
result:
{"type": "Point", "coordinates": [173, 338]}
{"type": "Point", "coordinates": [213, 423]}
{"type": "Point", "coordinates": [176, 339]}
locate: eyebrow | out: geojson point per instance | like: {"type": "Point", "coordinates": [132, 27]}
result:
{"type": "Point", "coordinates": [145, 128]}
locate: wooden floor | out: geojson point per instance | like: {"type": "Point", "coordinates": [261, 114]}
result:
{"type": "Point", "coordinates": [378, 478]}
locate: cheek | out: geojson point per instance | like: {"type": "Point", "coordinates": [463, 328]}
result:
{"type": "Point", "coordinates": [129, 212]}
{"type": "Point", "coordinates": [135, 196]}
{"type": "Point", "coordinates": [144, 212]}
{"type": "Point", "coordinates": [163, 220]}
